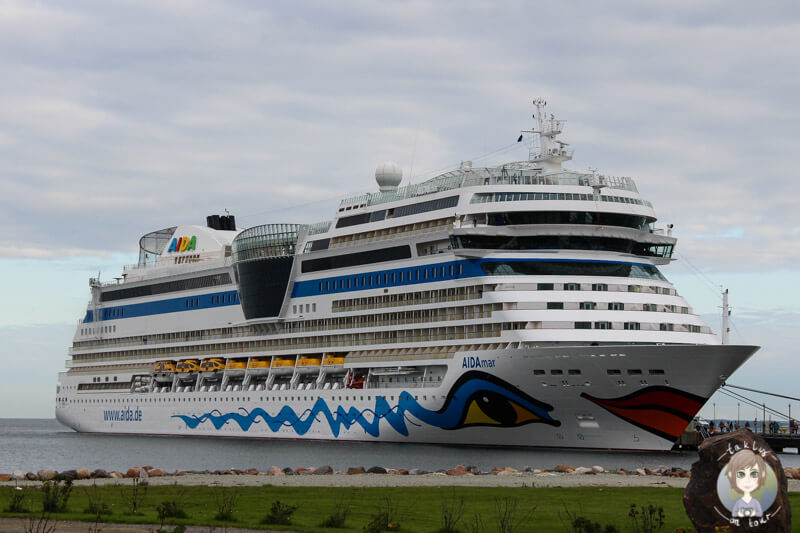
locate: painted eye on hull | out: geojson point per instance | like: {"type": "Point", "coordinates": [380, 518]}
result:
{"type": "Point", "coordinates": [491, 408]}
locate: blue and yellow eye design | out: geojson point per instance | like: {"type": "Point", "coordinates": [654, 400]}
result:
{"type": "Point", "coordinates": [481, 399]}
{"type": "Point", "coordinates": [476, 399]}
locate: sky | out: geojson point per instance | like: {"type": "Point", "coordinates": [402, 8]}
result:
{"type": "Point", "coordinates": [120, 118]}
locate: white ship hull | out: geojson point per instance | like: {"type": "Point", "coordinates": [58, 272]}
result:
{"type": "Point", "coordinates": [651, 409]}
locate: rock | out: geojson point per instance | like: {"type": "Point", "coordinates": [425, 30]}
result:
{"type": "Point", "coordinates": [495, 470]}
{"type": "Point", "coordinates": [417, 472]}
{"type": "Point", "coordinates": [564, 468]}
{"type": "Point", "coordinates": [641, 472]}
{"type": "Point", "coordinates": [143, 473]}
{"type": "Point", "coordinates": [133, 471]}
{"type": "Point", "coordinates": [507, 471]}
{"type": "Point", "coordinates": [147, 467]}
{"type": "Point", "coordinates": [236, 471]}
{"type": "Point", "coordinates": [353, 470]}
{"type": "Point", "coordinates": [83, 473]}
{"type": "Point", "coordinates": [5, 477]}
{"type": "Point", "coordinates": [275, 471]}
{"type": "Point", "coordinates": [376, 470]}
{"type": "Point", "coordinates": [391, 471]}
{"type": "Point", "coordinates": [583, 470]}
{"type": "Point", "coordinates": [99, 474]}
{"type": "Point", "coordinates": [459, 470]}
{"type": "Point", "coordinates": [30, 476]}
{"type": "Point", "coordinates": [156, 472]}
{"type": "Point", "coordinates": [402, 472]}
{"type": "Point", "coordinates": [302, 471]}
{"type": "Point", "coordinates": [323, 470]}
{"type": "Point", "coordinates": [251, 472]}
{"type": "Point", "coordinates": [116, 475]}
{"type": "Point", "coordinates": [17, 475]}
{"type": "Point", "coordinates": [46, 475]}
{"type": "Point", "coordinates": [713, 491]}
{"type": "Point", "coordinates": [288, 471]}
{"type": "Point", "coordinates": [598, 469]}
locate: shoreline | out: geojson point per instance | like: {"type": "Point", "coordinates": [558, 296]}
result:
{"type": "Point", "coordinates": [515, 479]}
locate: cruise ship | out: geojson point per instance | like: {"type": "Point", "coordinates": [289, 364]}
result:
{"type": "Point", "coordinates": [516, 305]}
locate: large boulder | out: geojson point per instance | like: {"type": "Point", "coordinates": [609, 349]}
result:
{"type": "Point", "coordinates": [17, 475]}
{"type": "Point", "coordinates": [99, 474]}
{"type": "Point", "coordinates": [376, 470]}
{"type": "Point", "coordinates": [738, 483]}
{"type": "Point", "coordinates": [156, 472]}
{"type": "Point", "coordinates": [459, 470]}
{"type": "Point", "coordinates": [83, 473]}
{"type": "Point", "coordinates": [116, 475]}
{"type": "Point", "coordinates": [275, 471]}
{"type": "Point", "coordinates": [356, 470]}
{"type": "Point", "coordinates": [30, 476]}
{"type": "Point", "coordinates": [564, 468]}
{"type": "Point", "coordinates": [133, 471]}
{"type": "Point", "coordinates": [68, 475]}
{"type": "Point", "coordinates": [323, 470]}
{"type": "Point", "coordinates": [46, 475]}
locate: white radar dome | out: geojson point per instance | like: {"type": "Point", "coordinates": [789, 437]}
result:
{"type": "Point", "coordinates": [388, 175]}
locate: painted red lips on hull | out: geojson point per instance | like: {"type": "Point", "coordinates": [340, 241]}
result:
{"type": "Point", "coordinates": [663, 411]}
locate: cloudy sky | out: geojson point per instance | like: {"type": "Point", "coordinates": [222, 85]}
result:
{"type": "Point", "coordinates": [121, 118]}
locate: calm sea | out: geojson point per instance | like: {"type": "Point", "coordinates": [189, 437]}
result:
{"type": "Point", "coordinates": [32, 444]}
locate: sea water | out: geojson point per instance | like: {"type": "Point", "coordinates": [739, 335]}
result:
{"type": "Point", "coordinates": [33, 444]}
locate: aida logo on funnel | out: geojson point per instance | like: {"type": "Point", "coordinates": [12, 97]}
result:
{"type": "Point", "coordinates": [183, 244]}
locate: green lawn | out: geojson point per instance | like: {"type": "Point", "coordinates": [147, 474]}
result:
{"type": "Point", "coordinates": [418, 509]}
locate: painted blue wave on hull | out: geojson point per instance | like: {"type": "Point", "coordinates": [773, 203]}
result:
{"type": "Point", "coordinates": [303, 422]}
{"type": "Point", "coordinates": [450, 416]}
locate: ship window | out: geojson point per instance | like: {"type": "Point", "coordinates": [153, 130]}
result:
{"type": "Point", "coordinates": [314, 307]}
{"type": "Point", "coordinates": [555, 305]}
{"type": "Point", "coordinates": [572, 286]}
{"type": "Point", "coordinates": [583, 325]}
{"type": "Point", "coordinates": [634, 372]}
{"type": "Point", "coordinates": [544, 286]}
{"type": "Point", "coordinates": [556, 372]}
{"type": "Point", "coordinates": [602, 325]}
{"type": "Point", "coordinates": [538, 372]}
{"type": "Point", "coordinates": [613, 372]}
{"type": "Point", "coordinates": [666, 327]}
{"type": "Point", "coordinates": [574, 372]}
{"type": "Point", "coordinates": [417, 275]}
{"type": "Point", "coordinates": [588, 305]}
{"type": "Point", "coordinates": [294, 309]}
{"type": "Point", "coordinates": [599, 287]}
{"type": "Point", "coordinates": [616, 306]}
{"type": "Point", "coordinates": [656, 372]}
{"type": "Point", "coordinates": [633, 325]}
{"type": "Point", "coordinates": [460, 269]}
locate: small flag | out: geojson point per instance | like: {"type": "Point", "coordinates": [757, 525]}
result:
{"type": "Point", "coordinates": [520, 139]}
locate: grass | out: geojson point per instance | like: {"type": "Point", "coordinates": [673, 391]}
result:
{"type": "Point", "coordinates": [418, 509]}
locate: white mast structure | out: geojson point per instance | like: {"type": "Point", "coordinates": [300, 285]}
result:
{"type": "Point", "coordinates": [551, 153]}
{"type": "Point", "coordinates": [726, 316]}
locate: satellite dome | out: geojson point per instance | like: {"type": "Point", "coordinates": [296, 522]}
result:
{"type": "Point", "coordinates": [388, 175]}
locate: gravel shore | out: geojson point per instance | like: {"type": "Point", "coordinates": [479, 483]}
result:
{"type": "Point", "coordinates": [518, 479]}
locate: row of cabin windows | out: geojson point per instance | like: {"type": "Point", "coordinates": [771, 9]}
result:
{"type": "Point", "coordinates": [619, 306]}
{"type": "Point", "coordinates": [403, 276]}
{"type": "Point", "coordinates": [309, 308]}
{"type": "Point", "coordinates": [611, 372]}
{"type": "Point", "coordinates": [536, 196]}
{"type": "Point", "coordinates": [664, 326]}
{"type": "Point", "coordinates": [604, 287]}
{"type": "Point", "coordinates": [98, 329]}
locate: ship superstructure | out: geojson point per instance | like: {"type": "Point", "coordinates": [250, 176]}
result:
{"type": "Point", "coordinates": [518, 305]}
